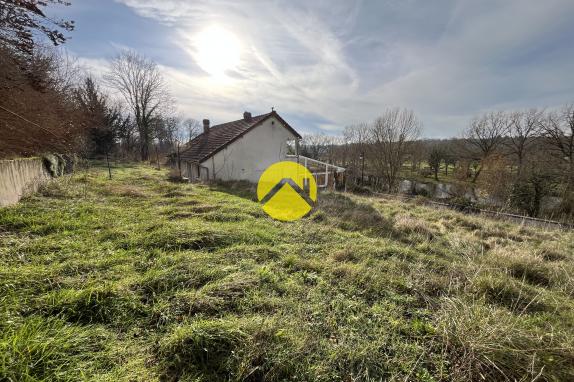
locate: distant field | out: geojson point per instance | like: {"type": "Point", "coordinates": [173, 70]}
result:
{"type": "Point", "coordinates": [140, 279]}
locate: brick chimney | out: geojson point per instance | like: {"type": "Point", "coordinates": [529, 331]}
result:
{"type": "Point", "coordinates": [247, 116]}
{"type": "Point", "coordinates": [206, 126]}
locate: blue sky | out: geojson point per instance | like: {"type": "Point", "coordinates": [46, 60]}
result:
{"type": "Point", "coordinates": [325, 64]}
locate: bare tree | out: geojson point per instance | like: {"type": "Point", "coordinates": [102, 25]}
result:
{"type": "Point", "coordinates": [391, 134]}
{"type": "Point", "coordinates": [335, 150]}
{"type": "Point", "coordinates": [22, 20]}
{"type": "Point", "coordinates": [314, 145]}
{"type": "Point", "coordinates": [165, 129]}
{"type": "Point", "coordinates": [189, 129]}
{"type": "Point", "coordinates": [356, 138]}
{"type": "Point", "coordinates": [559, 130]}
{"type": "Point", "coordinates": [142, 86]}
{"type": "Point", "coordinates": [521, 131]}
{"type": "Point", "coordinates": [435, 158]}
{"type": "Point", "coordinates": [418, 153]}
{"type": "Point", "coordinates": [484, 135]}
{"type": "Point", "coordinates": [451, 155]}
{"type": "Point", "coordinates": [126, 132]}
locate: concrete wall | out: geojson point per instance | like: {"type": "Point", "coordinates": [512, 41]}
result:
{"type": "Point", "coordinates": [250, 155]}
{"type": "Point", "coordinates": [19, 176]}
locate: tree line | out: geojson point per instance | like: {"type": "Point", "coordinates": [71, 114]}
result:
{"type": "Point", "coordinates": [515, 157]}
{"type": "Point", "coordinates": [50, 103]}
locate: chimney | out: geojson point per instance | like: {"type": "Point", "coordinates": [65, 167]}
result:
{"type": "Point", "coordinates": [206, 126]}
{"type": "Point", "coordinates": [247, 116]}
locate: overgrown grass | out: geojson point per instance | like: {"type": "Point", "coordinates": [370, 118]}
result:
{"type": "Point", "coordinates": [139, 278]}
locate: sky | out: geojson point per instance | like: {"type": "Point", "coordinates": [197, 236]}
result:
{"type": "Point", "coordinates": [326, 64]}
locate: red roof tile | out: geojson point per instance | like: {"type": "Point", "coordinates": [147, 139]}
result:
{"type": "Point", "coordinates": [218, 137]}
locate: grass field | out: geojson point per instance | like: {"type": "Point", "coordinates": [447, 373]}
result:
{"type": "Point", "coordinates": [140, 279]}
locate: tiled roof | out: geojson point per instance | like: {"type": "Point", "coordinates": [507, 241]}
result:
{"type": "Point", "coordinates": [208, 144]}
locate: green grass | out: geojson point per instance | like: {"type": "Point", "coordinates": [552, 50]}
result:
{"type": "Point", "coordinates": [138, 279]}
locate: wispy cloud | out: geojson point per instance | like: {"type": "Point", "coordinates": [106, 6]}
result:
{"type": "Point", "coordinates": [331, 63]}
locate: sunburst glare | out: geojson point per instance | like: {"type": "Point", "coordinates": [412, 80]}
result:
{"type": "Point", "coordinates": [217, 50]}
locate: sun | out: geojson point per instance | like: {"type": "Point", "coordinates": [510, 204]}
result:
{"type": "Point", "coordinates": [217, 50]}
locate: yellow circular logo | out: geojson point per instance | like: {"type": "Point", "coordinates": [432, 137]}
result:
{"type": "Point", "coordinates": [287, 191]}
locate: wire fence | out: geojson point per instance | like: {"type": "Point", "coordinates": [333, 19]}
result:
{"type": "Point", "coordinates": [522, 219]}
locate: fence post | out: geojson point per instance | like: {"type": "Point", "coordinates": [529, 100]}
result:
{"type": "Point", "coordinates": [108, 160]}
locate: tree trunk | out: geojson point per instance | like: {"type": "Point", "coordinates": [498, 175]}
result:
{"type": "Point", "coordinates": [570, 184]}
{"type": "Point", "coordinates": [519, 169]}
{"type": "Point", "coordinates": [476, 174]}
{"type": "Point", "coordinates": [144, 151]}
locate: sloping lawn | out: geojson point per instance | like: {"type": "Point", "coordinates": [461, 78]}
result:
{"type": "Point", "coordinates": [140, 279]}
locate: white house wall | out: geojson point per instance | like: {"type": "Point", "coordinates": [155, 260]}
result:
{"type": "Point", "coordinates": [250, 155]}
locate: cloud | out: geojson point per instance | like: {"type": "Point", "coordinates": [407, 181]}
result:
{"type": "Point", "coordinates": [95, 66]}
{"type": "Point", "coordinates": [340, 62]}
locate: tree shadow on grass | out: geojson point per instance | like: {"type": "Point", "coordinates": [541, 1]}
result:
{"type": "Point", "coordinates": [242, 189]}
{"type": "Point", "coordinates": [331, 208]}
{"type": "Point", "coordinates": [348, 214]}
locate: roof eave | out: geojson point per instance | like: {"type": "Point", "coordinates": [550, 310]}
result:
{"type": "Point", "coordinates": [272, 114]}
{"type": "Point", "coordinates": [288, 126]}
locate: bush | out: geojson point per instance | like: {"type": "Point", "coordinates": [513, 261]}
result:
{"type": "Point", "coordinates": [463, 204]}
{"type": "Point", "coordinates": [56, 164]}
{"type": "Point", "coordinates": [359, 189]}
{"type": "Point", "coordinates": [526, 195]}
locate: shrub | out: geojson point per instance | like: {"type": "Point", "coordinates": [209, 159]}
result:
{"type": "Point", "coordinates": [55, 164]}
{"type": "Point", "coordinates": [358, 189]}
{"type": "Point", "coordinates": [463, 204]}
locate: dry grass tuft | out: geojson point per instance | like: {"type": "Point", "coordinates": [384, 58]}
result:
{"type": "Point", "coordinates": [490, 343]}
{"type": "Point", "coordinates": [127, 191]}
{"type": "Point", "coordinates": [523, 265]}
{"type": "Point", "coordinates": [411, 225]}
